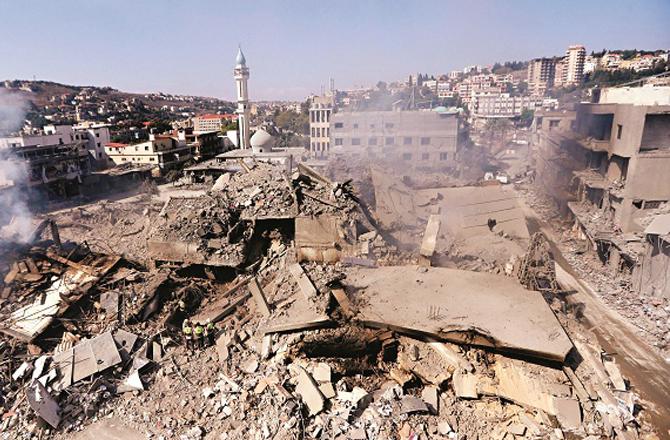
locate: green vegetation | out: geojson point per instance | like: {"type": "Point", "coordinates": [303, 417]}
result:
{"type": "Point", "coordinates": [606, 78]}
{"type": "Point", "coordinates": [292, 121]}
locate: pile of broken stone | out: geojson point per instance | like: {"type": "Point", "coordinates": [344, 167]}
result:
{"type": "Point", "coordinates": [295, 356]}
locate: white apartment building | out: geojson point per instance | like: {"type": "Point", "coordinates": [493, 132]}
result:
{"type": "Point", "coordinates": [502, 105]}
{"type": "Point", "coordinates": [211, 122]}
{"type": "Point", "coordinates": [96, 136]}
{"type": "Point", "coordinates": [92, 136]}
{"type": "Point", "coordinates": [320, 112]}
{"type": "Point", "coordinates": [574, 58]}
{"type": "Point", "coordinates": [165, 151]}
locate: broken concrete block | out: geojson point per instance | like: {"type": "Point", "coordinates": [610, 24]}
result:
{"type": "Point", "coordinates": [401, 376]}
{"type": "Point", "coordinates": [444, 428]}
{"type": "Point", "coordinates": [305, 284]}
{"type": "Point", "coordinates": [21, 371]}
{"type": "Point", "coordinates": [322, 372]}
{"type": "Point", "coordinates": [156, 351]}
{"type": "Point", "coordinates": [38, 368]}
{"type": "Point", "coordinates": [250, 366]}
{"type": "Point", "coordinates": [411, 404]}
{"type": "Point", "coordinates": [132, 383]}
{"type": "Point", "coordinates": [43, 404]}
{"type": "Point", "coordinates": [328, 390]}
{"type": "Point", "coordinates": [266, 347]}
{"type": "Point", "coordinates": [309, 392]}
{"type": "Point", "coordinates": [222, 348]}
{"type": "Point", "coordinates": [465, 385]}
{"type": "Point", "coordinates": [431, 397]}
{"type": "Point", "coordinates": [568, 412]}
{"type": "Point", "coordinates": [516, 429]}
{"type": "Point", "coordinates": [259, 297]}
{"type": "Point", "coordinates": [615, 375]}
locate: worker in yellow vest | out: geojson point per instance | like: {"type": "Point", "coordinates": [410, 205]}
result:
{"type": "Point", "coordinates": [187, 331]}
{"type": "Point", "coordinates": [210, 332]}
{"type": "Point", "coordinates": [199, 334]}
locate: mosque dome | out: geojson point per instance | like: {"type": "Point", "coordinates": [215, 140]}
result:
{"type": "Point", "coordinates": [261, 142]}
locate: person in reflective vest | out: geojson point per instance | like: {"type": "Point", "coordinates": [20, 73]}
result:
{"type": "Point", "coordinates": [199, 333]}
{"type": "Point", "coordinates": [187, 331]}
{"type": "Point", "coordinates": [210, 332]}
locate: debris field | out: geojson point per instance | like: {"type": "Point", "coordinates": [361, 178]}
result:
{"type": "Point", "coordinates": [326, 325]}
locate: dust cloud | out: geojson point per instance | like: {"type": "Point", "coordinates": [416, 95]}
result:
{"type": "Point", "coordinates": [15, 215]}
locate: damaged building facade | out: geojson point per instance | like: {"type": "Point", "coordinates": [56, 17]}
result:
{"type": "Point", "coordinates": [411, 139]}
{"type": "Point", "coordinates": [607, 168]}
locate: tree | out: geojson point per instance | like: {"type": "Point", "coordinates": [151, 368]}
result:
{"type": "Point", "coordinates": [526, 118]}
{"type": "Point", "coordinates": [381, 86]}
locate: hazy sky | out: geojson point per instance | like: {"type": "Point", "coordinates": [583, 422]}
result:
{"type": "Point", "coordinates": [292, 47]}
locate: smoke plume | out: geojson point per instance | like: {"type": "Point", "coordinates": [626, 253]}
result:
{"type": "Point", "coordinates": [15, 215]}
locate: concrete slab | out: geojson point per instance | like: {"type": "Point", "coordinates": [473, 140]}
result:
{"type": "Point", "coordinates": [473, 308]}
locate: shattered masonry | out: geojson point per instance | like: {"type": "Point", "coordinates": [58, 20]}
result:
{"type": "Point", "coordinates": [334, 318]}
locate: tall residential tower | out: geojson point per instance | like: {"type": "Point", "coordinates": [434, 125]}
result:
{"type": "Point", "coordinates": [241, 78]}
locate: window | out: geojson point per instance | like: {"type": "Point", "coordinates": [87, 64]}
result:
{"type": "Point", "coordinates": [338, 141]}
{"type": "Point", "coordinates": [339, 125]}
{"type": "Point", "coordinates": [372, 141]}
{"type": "Point", "coordinates": [407, 141]}
{"type": "Point", "coordinates": [136, 148]}
{"type": "Point", "coordinates": [355, 141]}
{"type": "Point", "coordinates": [99, 155]}
{"type": "Point", "coordinates": [313, 132]}
{"type": "Point", "coordinates": [97, 135]}
{"type": "Point", "coordinates": [425, 156]}
{"type": "Point", "coordinates": [388, 125]}
{"type": "Point", "coordinates": [407, 156]}
{"type": "Point", "coordinates": [146, 148]}
{"type": "Point", "coordinates": [98, 144]}
{"type": "Point", "coordinates": [444, 156]}
{"type": "Point", "coordinates": [389, 141]}
{"type": "Point", "coordinates": [151, 159]}
{"type": "Point", "coordinates": [425, 141]}
{"type": "Point", "coordinates": [553, 123]}
{"type": "Point", "coordinates": [619, 129]}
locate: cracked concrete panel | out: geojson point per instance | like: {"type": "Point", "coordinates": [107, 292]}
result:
{"type": "Point", "coordinates": [461, 307]}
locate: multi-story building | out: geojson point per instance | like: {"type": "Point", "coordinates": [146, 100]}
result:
{"type": "Point", "coordinates": [541, 73]}
{"type": "Point", "coordinates": [209, 122]}
{"type": "Point", "coordinates": [164, 151]}
{"type": "Point", "coordinates": [618, 154]}
{"type": "Point", "coordinates": [574, 58]}
{"type": "Point", "coordinates": [51, 161]}
{"type": "Point", "coordinates": [95, 135]}
{"type": "Point", "coordinates": [320, 111]}
{"type": "Point", "coordinates": [561, 73]}
{"type": "Point", "coordinates": [445, 89]}
{"type": "Point", "coordinates": [426, 139]}
{"type": "Point", "coordinates": [501, 105]}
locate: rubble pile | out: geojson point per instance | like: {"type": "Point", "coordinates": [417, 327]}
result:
{"type": "Point", "coordinates": [97, 223]}
{"type": "Point", "coordinates": [650, 316]}
{"type": "Point", "coordinates": [351, 348]}
{"type": "Point", "coordinates": [207, 221]}
{"type": "Point", "coordinates": [260, 191]}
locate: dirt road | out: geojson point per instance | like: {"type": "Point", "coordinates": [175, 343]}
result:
{"type": "Point", "coordinates": [647, 371]}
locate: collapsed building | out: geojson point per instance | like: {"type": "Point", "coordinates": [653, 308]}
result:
{"type": "Point", "coordinates": [604, 165]}
{"type": "Point", "coordinates": [327, 326]}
